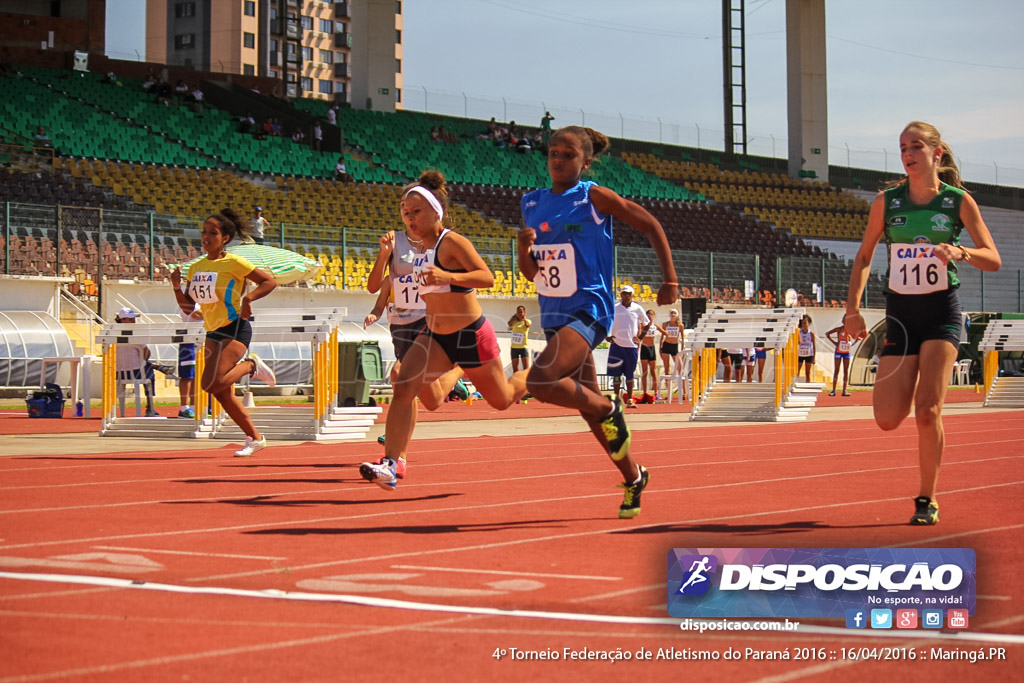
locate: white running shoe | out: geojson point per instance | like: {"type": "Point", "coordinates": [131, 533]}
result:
{"type": "Point", "coordinates": [251, 446]}
{"type": "Point", "coordinates": [383, 473]}
{"type": "Point", "coordinates": [262, 371]}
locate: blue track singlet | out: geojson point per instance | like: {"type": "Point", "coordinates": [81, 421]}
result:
{"type": "Point", "coordinates": [574, 253]}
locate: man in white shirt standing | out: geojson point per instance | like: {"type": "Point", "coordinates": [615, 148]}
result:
{"type": "Point", "coordinates": [630, 318]}
{"type": "Point", "coordinates": [259, 226]}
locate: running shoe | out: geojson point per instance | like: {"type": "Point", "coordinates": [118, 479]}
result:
{"type": "Point", "coordinates": [846, 393]}
{"type": "Point", "coordinates": [832, 393]}
{"type": "Point", "coordinates": [616, 432]}
{"type": "Point", "coordinates": [261, 370]}
{"type": "Point", "coordinates": [631, 500]}
{"type": "Point", "coordinates": [187, 412]}
{"type": "Point", "coordinates": [251, 446]}
{"type": "Point", "coordinates": [927, 511]}
{"type": "Point", "coordinates": [167, 370]}
{"type": "Point", "coordinates": [151, 413]}
{"type": "Point", "coordinates": [381, 440]}
{"type": "Point", "coordinates": [383, 473]}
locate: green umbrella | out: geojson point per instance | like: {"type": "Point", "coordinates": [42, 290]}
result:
{"type": "Point", "coordinates": [286, 266]}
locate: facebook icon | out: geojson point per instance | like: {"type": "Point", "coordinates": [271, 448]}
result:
{"type": "Point", "coordinates": [856, 618]}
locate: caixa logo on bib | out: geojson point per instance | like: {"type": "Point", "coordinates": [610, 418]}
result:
{"type": "Point", "coordinates": [816, 582]}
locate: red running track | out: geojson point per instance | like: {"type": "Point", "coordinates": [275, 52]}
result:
{"type": "Point", "coordinates": [479, 529]}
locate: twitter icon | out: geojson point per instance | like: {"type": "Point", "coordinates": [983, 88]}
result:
{"type": "Point", "coordinates": [881, 618]}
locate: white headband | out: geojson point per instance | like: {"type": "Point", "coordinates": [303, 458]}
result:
{"type": "Point", "coordinates": [429, 196]}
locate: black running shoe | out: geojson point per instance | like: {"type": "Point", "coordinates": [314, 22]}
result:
{"type": "Point", "coordinates": [631, 500]}
{"type": "Point", "coordinates": [926, 512]}
{"type": "Point", "coordinates": [380, 439]}
{"type": "Point", "coordinates": [617, 433]}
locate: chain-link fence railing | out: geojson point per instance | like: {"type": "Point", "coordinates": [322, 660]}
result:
{"type": "Point", "coordinates": [91, 244]}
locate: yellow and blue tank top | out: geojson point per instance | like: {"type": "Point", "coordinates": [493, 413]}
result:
{"type": "Point", "coordinates": [574, 253]}
{"type": "Point", "coordinates": [217, 286]}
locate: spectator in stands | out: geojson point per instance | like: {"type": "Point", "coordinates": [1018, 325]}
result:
{"type": "Point", "coordinates": [298, 136]}
{"type": "Point", "coordinates": [577, 310]}
{"type": "Point", "coordinates": [332, 115]}
{"type": "Point", "coordinates": [163, 91]}
{"type": "Point", "coordinates": [447, 136]}
{"type": "Point", "coordinates": [41, 138]}
{"type": "Point", "coordinates": [457, 334]}
{"type": "Point", "coordinates": [341, 171]}
{"type": "Point", "coordinates": [545, 124]}
{"type": "Point", "coordinates": [523, 145]}
{"type": "Point", "coordinates": [318, 136]}
{"type": "Point", "coordinates": [147, 85]}
{"type": "Point", "coordinates": [275, 128]}
{"type": "Point", "coordinates": [492, 126]}
{"type": "Point", "coordinates": [435, 134]}
{"type": "Point", "coordinates": [519, 326]}
{"type": "Point", "coordinates": [110, 78]}
{"type": "Point", "coordinates": [268, 127]}
{"type": "Point", "coordinates": [539, 142]}
{"type": "Point", "coordinates": [181, 90]}
{"type": "Point", "coordinates": [197, 101]}
{"type": "Point", "coordinates": [247, 124]}
{"type": "Point", "coordinates": [922, 217]}
{"type": "Point", "coordinates": [216, 282]}
{"type": "Point", "coordinates": [259, 226]}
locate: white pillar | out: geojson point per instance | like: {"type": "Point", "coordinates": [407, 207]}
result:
{"type": "Point", "coordinates": [806, 84]}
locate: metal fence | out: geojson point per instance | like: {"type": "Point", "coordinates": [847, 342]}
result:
{"type": "Point", "coordinates": [95, 244]}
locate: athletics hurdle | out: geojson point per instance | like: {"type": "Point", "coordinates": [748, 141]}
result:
{"type": "Point", "coordinates": [784, 400]}
{"type": "Point", "coordinates": [324, 420]}
{"type": "Point", "coordinates": [112, 334]}
{"type": "Point", "coordinates": [1001, 335]}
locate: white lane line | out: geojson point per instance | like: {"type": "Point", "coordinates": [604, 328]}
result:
{"type": "Point", "coordinates": [186, 552]}
{"type": "Point", "coordinates": [497, 572]}
{"type": "Point", "coordinates": [628, 591]}
{"type": "Point", "coordinates": [389, 603]}
{"type": "Point", "coordinates": [597, 532]}
{"type": "Point", "coordinates": [974, 446]}
{"type": "Point", "coordinates": [465, 508]}
{"type": "Point", "coordinates": [601, 471]}
{"type": "Point", "coordinates": [54, 594]}
{"type": "Point", "coordinates": [936, 539]}
{"type": "Point", "coordinates": [227, 652]}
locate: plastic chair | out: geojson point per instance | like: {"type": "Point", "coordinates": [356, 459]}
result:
{"type": "Point", "coordinates": [131, 371]}
{"type": "Point", "coordinates": [963, 371]}
{"type": "Point", "coordinates": [682, 383]}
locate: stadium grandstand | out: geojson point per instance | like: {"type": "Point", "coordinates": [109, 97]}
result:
{"type": "Point", "coordinates": [741, 229]}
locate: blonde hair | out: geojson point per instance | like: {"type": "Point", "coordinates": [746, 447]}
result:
{"type": "Point", "coordinates": [949, 173]}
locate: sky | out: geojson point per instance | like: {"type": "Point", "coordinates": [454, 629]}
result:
{"type": "Point", "coordinates": [652, 69]}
